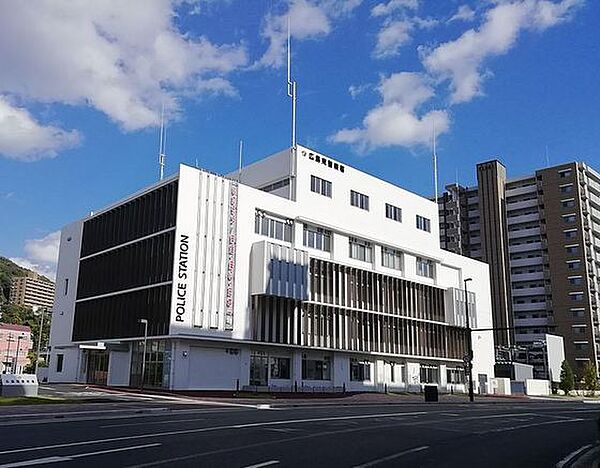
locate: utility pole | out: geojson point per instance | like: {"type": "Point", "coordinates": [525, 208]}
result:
{"type": "Point", "coordinates": [19, 338]}
{"type": "Point", "coordinates": [39, 343]}
{"type": "Point", "coordinates": [469, 358]}
{"type": "Point", "coordinates": [9, 340]}
{"type": "Point", "coordinates": [145, 322]}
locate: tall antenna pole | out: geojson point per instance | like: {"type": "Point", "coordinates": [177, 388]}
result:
{"type": "Point", "coordinates": [547, 157]}
{"type": "Point", "coordinates": [162, 144]}
{"type": "Point", "coordinates": [291, 83]}
{"type": "Point", "coordinates": [435, 168]}
{"type": "Point", "coordinates": [240, 161]}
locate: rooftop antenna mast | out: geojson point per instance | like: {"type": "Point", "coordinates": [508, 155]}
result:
{"type": "Point", "coordinates": [240, 161]}
{"type": "Point", "coordinates": [435, 163]}
{"type": "Point", "coordinates": [162, 144]}
{"type": "Point", "coordinates": [291, 83]}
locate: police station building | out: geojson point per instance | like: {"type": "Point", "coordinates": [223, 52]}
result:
{"type": "Point", "coordinates": [299, 273]}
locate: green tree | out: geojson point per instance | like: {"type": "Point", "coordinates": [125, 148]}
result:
{"type": "Point", "coordinates": [567, 379]}
{"type": "Point", "coordinates": [590, 378]}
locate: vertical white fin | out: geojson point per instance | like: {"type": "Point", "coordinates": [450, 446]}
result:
{"type": "Point", "coordinates": [291, 83]}
{"type": "Point", "coordinates": [435, 163]}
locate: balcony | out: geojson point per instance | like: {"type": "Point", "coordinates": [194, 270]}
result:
{"type": "Point", "coordinates": [515, 192]}
{"type": "Point", "coordinates": [539, 306]}
{"type": "Point", "coordinates": [538, 275]}
{"type": "Point", "coordinates": [524, 218]}
{"type": "Point", "coordinates": [531, 322]}
{"type": "Point", "coordinates": [521, 262]}
{"type": "Point", "coordinates": [541, 291]}
{"type": "Point", "coordinates": [524, 233]}
{"type": "Point", "coordinates": [525, 247]}
{"type": "Point", "coordinates": [521, 204]}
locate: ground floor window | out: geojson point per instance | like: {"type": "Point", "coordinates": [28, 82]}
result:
{"type": "Point", "coordinates": [259, 368]}
{"type": "Point", "coordinates": [360, 370]}
{"type": "Point", "coordinates": [97, 367]}
{"type": "Point", "coordinates": [158, 360]}
{"type": "Point", "coordinates": [430, 374]}
{"type": "Point", "coordinates": [316, 369]}
{"type": "Point", "coordinates": [455, 375]}
{"type": "Point", "coordinates": [396, 372]}
{"type": "Point", "coordinates": [280, 367]}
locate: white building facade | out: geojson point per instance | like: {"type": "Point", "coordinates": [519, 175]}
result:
{"type": "Point", "coordinates": [297, 274]}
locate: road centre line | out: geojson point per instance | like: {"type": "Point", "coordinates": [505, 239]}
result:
{"type": "Point", "coordinates": [58, 459]}
{"type": "Point", "coordinates": [570, 457]}
{"type": "Point", "coordinates": [261, 465]}
{"type": "Point", "coordinates": [207, 429]}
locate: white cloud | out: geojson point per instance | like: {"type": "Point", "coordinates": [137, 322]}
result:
{"type": "Point", "coordinates": [392, 37]}
{"type": "Point", "coordinates": [23, 138]}
{"type": "Point", "coordinates": [461, 60]}
{"type": "Point", "coordinates": [397, 120]}
{"type": "Point", "coordinates": [385, 9]}
{"type": "Point", "coordinates": [123, 58]}
{"type": "Point", "coordinates": [464, 13]}
{"type": "Point", "coordinates": [308, 20]}
{"type": "Point", "coordinates": [41, 255]}
{"type": "Point", "coordinates": [356, 90]}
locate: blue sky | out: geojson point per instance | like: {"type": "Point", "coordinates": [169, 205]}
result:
{"type": "Point", "coordinates": [82, 85]}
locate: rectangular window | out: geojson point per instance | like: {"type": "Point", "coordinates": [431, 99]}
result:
{"type": "Point", "coordinates": [317, 238]}
{"type": "Point", "coordinates": [66, 286]}
{"type": "Point", "coordinates": [276, 185]}
{"type": "Point", "coordinates": [393, 212]}
{"type": "Point", "coordinates": [576, 296]}
{"type": "Point", "coordinates": [275, 228]}
{"type": "Point", "coordinates": [570, 203]}
{"type": "Point", "coordinates": [360, 370]}
{"type": "Point", "coordinates": [574, 264]}
{"type": "Point", "coordinates": [572, 249]}
{"type": "Point", "coordinates": [425, 267]}
{"type": "Point", "coordinates": [430, 374]}
{"type": "Point", "coordinates": [578, 313]}
{"type": "Point", "coordinates": [424, 224]}
{"type": "Point", "coordinates": [570, 234]}
{"type": "Point", "coordinates": [455, 375]}
{"type": "Point", "coordinates": [316, 369]}
{"type": "Point", "coordinates": [570, 218]}
{"type": "Point", "coordinates": [391, 258]}
{"type": "Point", "coordinates": [567, 188]}
{"type": "Point", "coordinates": [320, 186]}
{"type": "Point", "coordinates": [581, 345]}
{"type": "Point", "coordinates": [59, 362]}
{"type": "Point", "coordinates": [565, 173]}
{"type": "Point", "coordinates": [280, 368]}
{"type": "Point", "coordinates": [575, 280]}
{"type": "Point", "coordinates": [360, 249]}
{"type": "Point", "coordinates": [359, 200]}
{"type": "Point", "coordinates": [579, 329]}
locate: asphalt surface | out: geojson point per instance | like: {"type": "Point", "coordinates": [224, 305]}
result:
{"type": "Point", "coordinates": [212, 434]}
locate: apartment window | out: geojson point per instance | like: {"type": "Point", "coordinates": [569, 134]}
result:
{"type": "Point", "coordinates": [66, 286]}
{"type": "Point", "coordinates": [581, 345]}
{"type": "Point", "coordinates": [393, 212]}
{"type": "Point", "coordinates": [361, 250]}
{"type": "Point", "coordinates": [60, 358]}
{"type": "Point", "coordinates": [578, 313]}
{"type": "Point", "coordinates": [576, 296]}
{"type": "Point", "coordinates": [570, 203]}
{"type": "Point", "coordinates": [280, 368]}
{"type": "Point", "coordinates": [455, 376]}
{"type": "Point", "coordinates": [276, 185]}
{"type": "Point", "coordinates": [425, 267]}
{"type": "Point", "coordinates": [317, 238]}
{"type": "Point", "coordinates": [570, 234]}
{"type": "Point", "coordinates": [396, 371]}
{"type": "Point", "coordinates": [391, 258]}
{"type": "Point", "coordinates": [572, 249]}
{"type": "Point", "coordinates": [579, 329]}
{"type": "Point", "coordinates": [567, 188]}
{"type": "Point", "coordinates": [316, 369]}
{"type": "Point", "coordinates": [359, 200]}
{"type": "Point", "coordinates": [360, 370]}
{"type": "Point", "coordinates": [273, 227]}
{"type": "Point", "coordinates": [430, 374]}
{"type": "Point", "coordinates": [320, 186]}
{"type": "Point", "coordinates": [575, 280]}
{"type": "Point", "coordinates": [570, 218]}
{"type": "Point", "coordinates": [424, 224]}
{"type": "Point", "coordinates": [574, 264]}
{"type": "Point", "coordinates": [565, 173]}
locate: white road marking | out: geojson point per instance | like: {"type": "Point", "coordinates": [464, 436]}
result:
{"type": "Point", "coordinates": [392, 457]}
{"type": "Point", "coordinates": [572, 455]}
{"type": "Point", "coordinates": [525, 426]}
{"type": "Point", "coordinates": [47, 460]}
{"type": "Point", "coordinates": [206, 429]}
{"type": "Point", "coordinates": [267, 463]}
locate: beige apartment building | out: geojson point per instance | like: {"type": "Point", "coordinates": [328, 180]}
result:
{"type": "Point", "coordinates": [540, 234]}
{"type": "Point", "coordinates": [29, 291]}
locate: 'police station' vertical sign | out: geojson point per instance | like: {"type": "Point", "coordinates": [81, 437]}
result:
{"type": "Point", "coordinates": [231, 249]}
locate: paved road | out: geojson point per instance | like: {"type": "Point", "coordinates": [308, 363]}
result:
{"type": "Point", "coordinates": [144, 434]}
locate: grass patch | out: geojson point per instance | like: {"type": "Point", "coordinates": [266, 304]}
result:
{"type": "Point", "coordinates": [21, 400]}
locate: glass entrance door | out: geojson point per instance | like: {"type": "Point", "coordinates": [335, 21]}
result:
{"type": "Point", "coordinates": [97, 367]}
{"type": "Point", "coordinates": [259, 369]}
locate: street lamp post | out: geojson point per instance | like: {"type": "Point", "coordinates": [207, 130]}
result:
{"type": "Point", "coordinates": [469, 360]}
{"type": "Point", "coordinates": [39, 343]}
{"type": "Point", "coordinates": [145, 322]}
